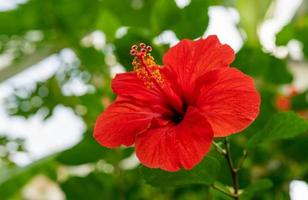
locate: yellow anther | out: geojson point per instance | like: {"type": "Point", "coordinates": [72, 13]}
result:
{"type": "Point", "coordinates": [145, 67]}
{"type": "Point", "coordinates": [147, 70]}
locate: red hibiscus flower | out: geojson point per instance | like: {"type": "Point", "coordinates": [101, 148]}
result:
{"type": "Point", "coordinates": [172, 112]}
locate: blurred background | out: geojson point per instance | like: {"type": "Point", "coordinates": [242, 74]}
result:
{"type": "Point", "coordinates": [57, 59]}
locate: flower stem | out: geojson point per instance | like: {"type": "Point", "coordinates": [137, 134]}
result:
{"type": "Point", "coordinates": [233, 171]}
{"type": "Point", "coordinates": [226, 153]}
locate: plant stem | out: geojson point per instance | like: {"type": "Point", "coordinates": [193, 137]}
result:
{"type": "Point", "coordinates": [221, 190]}
{"type": "Point", "coordinates": [219, 149]}
{"type": "Point", "coordinates": [233, 171]}
{"type": "Point", "coordinates": [241, 162]}
{"type": "Point", "coordinates": [226, 153]}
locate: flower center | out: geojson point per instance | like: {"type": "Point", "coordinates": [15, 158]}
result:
{"type": "Point", "coordinates": [177, 116]}
{"type": "Point", "coordinates": [145, 67]}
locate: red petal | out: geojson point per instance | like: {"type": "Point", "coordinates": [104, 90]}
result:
{"type": "Point", "coordinates": [129, 85]}
{"type": "Point", "coordinates": [189, 60]}
{"type": "Point", "coordinates": [229, 100]}
{"type": "Point", "coordinates": [175, 146]}
{"type": "Point", "coordinates": [158, 99]}
{"type": "Point", "coordinates": [120, 123]}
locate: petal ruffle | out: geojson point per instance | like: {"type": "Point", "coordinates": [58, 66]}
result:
{"type": "Point", "coordinates": [175, 146]}
{"type": "Point", "coordinates": [188, 60]}
{"type": "Point", "coordinates": [120, 122]}
{"type": "Point", "coordinates": [229, 101]}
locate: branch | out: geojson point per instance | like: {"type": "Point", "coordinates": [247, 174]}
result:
{"type": "Point", "coordinates": [233, 171]}
{"type": "Point", "coordinates": [226, 153]}
{"type": "Point", "coordinates": [27, 61]}
{"type": "Point", "coordinates": [216, 187]}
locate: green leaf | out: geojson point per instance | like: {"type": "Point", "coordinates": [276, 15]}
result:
{"type": "Point", "coordinates": [297, 29]}
{"type": "Point", "coordinates": [87, 151]}
{"type": "Point", "coordinates": [163, 15]}
{"type": "Point", "coordinates": [281, 126]}
{"type": "Point", "coordinates": [204, 173]}
{"type": "Point", "coordinates": [60, 15]}
{"type": "Point", "coordinates": [108, 23]}
{"type": "Point", "coordinates": [285, 35]}
{"type": "Point", "coordinates": [95, 186]}
{"type": "Point", "coordinates": [193, 17]}
{"type": "Point", "coordinates": [167, 16]}
{"type": "Point", "coordinates": [130, 13]}
{"type": "Point", "coordinates": [251, 191]}
{"type": "Point", "coordinates": [252, 13]}
{"type": "Point", "coordinates": [300, 102]}
{"type": "Point", "coordinates": [133, 36]}
{"type": "Point", "coordinates": [258, 64]}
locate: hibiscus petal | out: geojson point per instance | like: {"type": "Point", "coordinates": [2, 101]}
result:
{"type": "Point", "coordinates": [129, 85]}
{"type": "Point", "coordinates": [175, 146]}
{"type": "Point", "coordinates": [229, 101]}
{"type": "Point", "coordinates": [189, 60]}
{"type": "Point", "coordinates": [158, 99]}
{"type": "Point", "coordinates": [120, 122]}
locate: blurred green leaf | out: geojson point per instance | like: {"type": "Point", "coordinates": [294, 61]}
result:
{"type": "Point", "coordinates": [285, 35]}
{"type": "Point", "coordinates": [167, 16]}
{"type": "Point", "coordinates": [134, 13]}
{"type": "Point", "coordinates": [300, 102]}
{"type": "Point", "coordinates": [204, 173]}
{"type": "Point", "coordinates": [123, 45]}
{"type": "Point", "coordinates": [256, 63]}
{"type": "Point", "coordinates": [108, 23]}
{"type": "Point", "coordinates": [252, 13]}
{"type": "Point", "coordinates": [281, 126]}
{"type": "Point", "coordinates": [297, 151]}
{"type": "Point", "coordinates": [87, 151]}
{"type": "Point", "coordinates": [252, 190]}
{"type": "Point", "coordinates": [163, 15]}
{"type": "Point", "coordinates": [95, 186]}
{"type": "Point", "coordinates": [194, 16]}
{"type": "Point", "coordinates": [59, 15]}
{"type": "Point", "coordinates": [295, 30]}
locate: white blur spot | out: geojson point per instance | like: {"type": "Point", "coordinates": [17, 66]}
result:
{"type": "Point", "coordinates": [10, 4]}
{"type": "Point", "coordinates": [61, 131]}
{"type": "Point", "coordinates": [182, 3]}
{"type": "Point", "coordinates": [166, 37]}
{"type": "Point", "coordinates": [34, 36]}
{"type": "Point", "coordinates": [68, 55]}
{"type": "Point", "coordinates": [39, 72]}
{"type": "Point", "coordinates": [223, 22]}
{"type": "Point", "coordinates": [76, 87]}
{"type": "Point", "coordinates": [6, 59]}
{"type": "Point", "coordinates": [298, 190]}
{"type": "Point", "coordinates": [96, 39]}
{"type": "Point", "coordinates": [130, 162]}
{"type": "Point", "coordinates": [116, 69]}
{"type": "Point", "coordinates": [295, 49]}
{"type": "Point", "coordinates": [300, 71]}
{"type": "Point", "coordinates": [282, 13]}
{"type": "Point", "coordinates": [41, 187]}
{"type": "Point", "coordinates": [42, 138]}
{"type": "Point", "coordinates": [121, 32]}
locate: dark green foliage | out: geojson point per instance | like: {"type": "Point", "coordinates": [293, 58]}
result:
{"type": "Point", "coordinates": [204, 173]}
{"type": "Point", "coordinates": [280, 126]}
